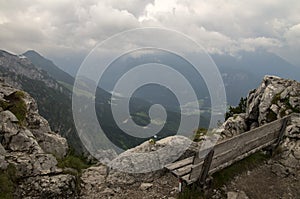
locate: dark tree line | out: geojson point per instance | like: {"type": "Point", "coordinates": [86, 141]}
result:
{"type": "Point", "coordinates": [240, 108]}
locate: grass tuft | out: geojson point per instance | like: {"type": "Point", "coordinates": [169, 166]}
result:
{"type": "Point", "coordinates": [8, 182]}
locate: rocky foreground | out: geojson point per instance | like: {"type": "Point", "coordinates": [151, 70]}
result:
{"type": "Point", "coordinates": [30, 151]}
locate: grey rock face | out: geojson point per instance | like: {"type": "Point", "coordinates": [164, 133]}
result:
{"type": "Point", "coordinates": [288, 161]}
{"type": "Point", "coordinates": [38, 131]}
{"type": "Point", "coordinates": [273, 99]}
{"type": "Point", "coordinates": [29, 145]}
{"type": "Point", "coordinates": [237, 195]}
{"type": "Point", "coordinates": [58, 186]}
{"type": "Point", "coordinates": [233, 126]}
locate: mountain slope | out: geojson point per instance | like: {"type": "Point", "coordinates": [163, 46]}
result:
{"type": "Point", "coordinates": [49, 67]}
{"type": "Point", "coordinates": [138, 107]}
{"type": "Point", "coordinates": [243, 71]}
{"type": "Point", "coordinates": [53, 99]}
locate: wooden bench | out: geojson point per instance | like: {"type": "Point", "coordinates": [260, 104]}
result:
{"type": "Point", "coordinates": [208, 161]}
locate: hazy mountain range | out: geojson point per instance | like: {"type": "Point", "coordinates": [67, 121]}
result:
{"type": "Point", "coordinates": [240, 72]}
{"type": "Point", "coordinates": [52, 87]}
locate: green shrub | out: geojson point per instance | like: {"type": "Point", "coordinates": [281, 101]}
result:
{"type": "Point", "coordinates": [240, 108]}
{"type": "Point", "coordinates": [199, 133]}
{"type": "Point", "coordinates": [74, 162]}
{"type": "Point", "coordinates": [16, 105]}
{"type": "Point", "coordinates": [8, 181]}
{"type": "Point", "coordinates": [191, 192]}
{"type": "Point", "coordinates": [271, 116]}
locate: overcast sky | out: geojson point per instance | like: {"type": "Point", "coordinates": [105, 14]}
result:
{"type": "Point", "coordinates": [58, 28]}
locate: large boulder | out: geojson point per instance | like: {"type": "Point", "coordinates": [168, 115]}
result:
{"type": "Point", "coordinates": [114, 183]}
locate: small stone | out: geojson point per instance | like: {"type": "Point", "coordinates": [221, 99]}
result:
{"type": "Point", "coordinates": [242, 195]}
{"type": "Point", "coordinates": [279, 170]}
{"type": "Point", "coordinates": [7, 115]}
{"type": "Point", "coordinates": [146, 186]}
{"type": "Point", "coordinates": [108, 191]}
{"type": "Point", "coordinates": [232, 195]}
{"type": "Point", "coordinates": [275, 108]}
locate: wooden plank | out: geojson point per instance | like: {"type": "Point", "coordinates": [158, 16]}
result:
{"type": "Point", "coordinates": [195, 172]}
{"type": "Point", "coordinates": [249, 135]}
{"type": "Point", "coordinates": [183, 170]}
{"type": "Point", "coordinates": [206, 166]}
{"type": "Point", "coordinates": [186, 178]}
{"type": "Point", "coordinates": [242, 147]}
{"type": "Point", "coordinates": [180, 163]}
{"type": "Point", "coordinates": [227, 164]}
{"type": "Point", "coordinates": [282, 130]}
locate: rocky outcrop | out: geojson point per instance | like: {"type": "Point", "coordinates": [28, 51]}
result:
{"type": "Point", "coordinates": [233, 126]}
{"type": "Point", "coordinates": [29, 147]}
{"type": "Point", "coordinates": [287, 162]}
{"type": "Point", "coordinates": [273, 99]}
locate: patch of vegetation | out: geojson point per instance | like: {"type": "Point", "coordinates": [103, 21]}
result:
{"type": "Point", "coordinates": [191, 192]}
{"type": "Point", "coordinates": [224, 176]}
{"type": "Point", "coordinates": [199, 133]}
{"type": "Point", "coordinates": [73, 164]}
{"type": "Point", "coordinates": [16, 105]}
{"type": "Point", "coordinates": [271, 116]}
{"type": "Point", "coordinates": [73, 161]}
{"type": "Point", "coordinates": [287, 104]}
{"type": "Point", "coordinates": [4, 105]}
{"type": "Point", "coordinates": [276, 98]}
{"type": "Point", "coordinates": [8, 182]}
{"type": "Point", "coordinates": [240, 108]}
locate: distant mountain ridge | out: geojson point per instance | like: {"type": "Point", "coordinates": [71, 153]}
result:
{"type": "Point", "coordinates": [48, 66]}
{"type": "Point", "coordinates": [245, 70]}
{"type": "Point", "coordinates": [240, 72]}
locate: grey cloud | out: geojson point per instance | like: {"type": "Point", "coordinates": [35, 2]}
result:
{"type": "Point", "coordinates": [62, 27]}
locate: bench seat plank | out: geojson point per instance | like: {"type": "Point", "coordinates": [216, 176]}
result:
{"type": "Point", "coordinates": [180, 163]}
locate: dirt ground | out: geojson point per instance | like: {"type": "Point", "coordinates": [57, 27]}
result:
{"type": "Point", "coordinates": [262, 183]}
